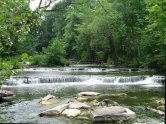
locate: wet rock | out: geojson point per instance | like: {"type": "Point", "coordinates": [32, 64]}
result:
{"type": "Point", "coordinates": [114, 113]}
{"type": "Point", "coordinates": [88, 94]}
{"type": "Point", "coordinates": [160, 101]}
{"type": "Point", "coordinates": [78, 105]}
{"type": "Point", "coordinates": [94, 103]}
{"type": "Point", "coordinates": [55, 111]}
{"type": "Point", "coordinates": [71, 112]}
{"type": "Point", "coordinates": [6, 93]}
{"type": "Point", "coordinates": [48, 100]}
{"type": "Point", "coordinates": [109, 102]}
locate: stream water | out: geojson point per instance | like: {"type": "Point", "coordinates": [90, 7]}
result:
{"type": "Point", "coordinates": [31, 84]}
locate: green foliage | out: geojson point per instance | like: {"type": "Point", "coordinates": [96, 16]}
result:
{"type": "Point", "coordinates": [132, 30]}
{"type": "Point", "coordinates": [55, 53]}
{"type": "Point", "coordinates": [15, 22]}
{"type": "Point", "coordinates": [5, 70]}
{"type": "Point", "coordinates": [39, 60]}
{"type": "Point", "coordinates": [24, 57]}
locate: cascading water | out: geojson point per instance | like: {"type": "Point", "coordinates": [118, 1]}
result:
{"type": "Point", "coordinates": [79, 79]}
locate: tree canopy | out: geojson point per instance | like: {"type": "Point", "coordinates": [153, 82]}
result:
{"type": "Point", "coordinates": [128, 33]}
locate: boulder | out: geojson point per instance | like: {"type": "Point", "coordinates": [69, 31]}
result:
{"type": "Point", "coordinates": [48, 100]}
{"type": "Point", "coordinates": [78, 105]}
{"type": "Point", "coordinates": [55, 111]}
{"type": "Point", "coordinates": [88, 94]}
{"type": "Point", "coordinates": [6, 93]}
{"type": "Point", "coordinates": [71, 112]}
{"type": "Point", "coordinates": [114, 113]}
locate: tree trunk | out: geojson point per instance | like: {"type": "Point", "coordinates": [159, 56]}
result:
{"type": "Point", "coordinates": [112, 50]}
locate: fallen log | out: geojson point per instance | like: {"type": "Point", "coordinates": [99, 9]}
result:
{"type": "Point", "coordinates": [155, 111]}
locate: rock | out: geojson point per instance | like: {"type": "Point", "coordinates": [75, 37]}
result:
{"type": "Point", "coordinates": [114, 113]}
{"type": "Point", "coordinates": [5, 93]}
{"type": "Point", "coordinates": [48, 100]}
{"type": "Point", "coordinates": [118, 95]}
{"type": "Point", "coordinates": [55, 111]}
{"type": "Point", "coordinates": [94, 103]}
{"type": "Point", "coordinates": [109, 102]}
{"type": "Point", "coordinates": [160, 101]}
{"type": "Point", "coordinates": [71, 112]}
{"type": "Point", "coordinates": [78, 105]}
{"type": "Point", "coordinates": [49, 96]}
{"type": "Point", "coordinates": [88, 94]}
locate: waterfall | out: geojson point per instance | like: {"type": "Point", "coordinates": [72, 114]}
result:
{"type": "Point", "coordinates": [20, 80]}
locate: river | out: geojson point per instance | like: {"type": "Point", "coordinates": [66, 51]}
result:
{"type": "Point", "coordinates": [31, 84]}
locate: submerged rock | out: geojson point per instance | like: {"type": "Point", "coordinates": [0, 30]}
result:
{"type": "Point", "coordinates": [48, 100]}
{"type": "Point", "coordinates": [88, 94]}
{"type": "Point", "coordinates": [6, 95]}
{"type": "Point", "coordinates": [109, 102]}
{"type": "Point", "coordinates": [78, 105]}
{"type": "Point", "coordinates": [55, 111]}
{"type": "Point", "coordinates": [71, 112]}
{"type": "Point", "coordinates": [114, 113]}
{"type": "Point", "coordinates": [118, 95]}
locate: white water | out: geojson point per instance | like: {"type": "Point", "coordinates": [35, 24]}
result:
{"type": "Point", "coordinates": [86, 80]}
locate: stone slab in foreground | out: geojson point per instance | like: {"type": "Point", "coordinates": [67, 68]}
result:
{"type": "Point", "coordinates": [54, 111]}
{"type": "Point", "coordinates": [114, 113]}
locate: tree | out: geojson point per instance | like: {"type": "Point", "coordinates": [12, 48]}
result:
{"type": "Point", "coordinates": [15, 22]}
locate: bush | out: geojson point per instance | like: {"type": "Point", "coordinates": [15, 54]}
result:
{"type": "Point", "coordinates": [55, 53]}
{"type": "Point", "coordinates": [39, 60]}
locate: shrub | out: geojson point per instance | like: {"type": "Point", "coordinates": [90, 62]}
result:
{"type": "Point", "coordinates": [39, 60]}
{"type": "Point", "coordinates": [55, 53]}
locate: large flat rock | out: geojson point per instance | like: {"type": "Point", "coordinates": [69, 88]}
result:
{"type": "Point", "coordinates": [71, 112]}
{"type": "Point", "coordinates": [78, 105]}
{"type": "Point", "coordinates": [55, 111]}
{"type": "Point", "coordinates": [114, 113]}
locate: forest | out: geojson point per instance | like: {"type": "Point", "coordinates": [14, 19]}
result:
{"type": "Point", "coordinates": [130, 33]}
